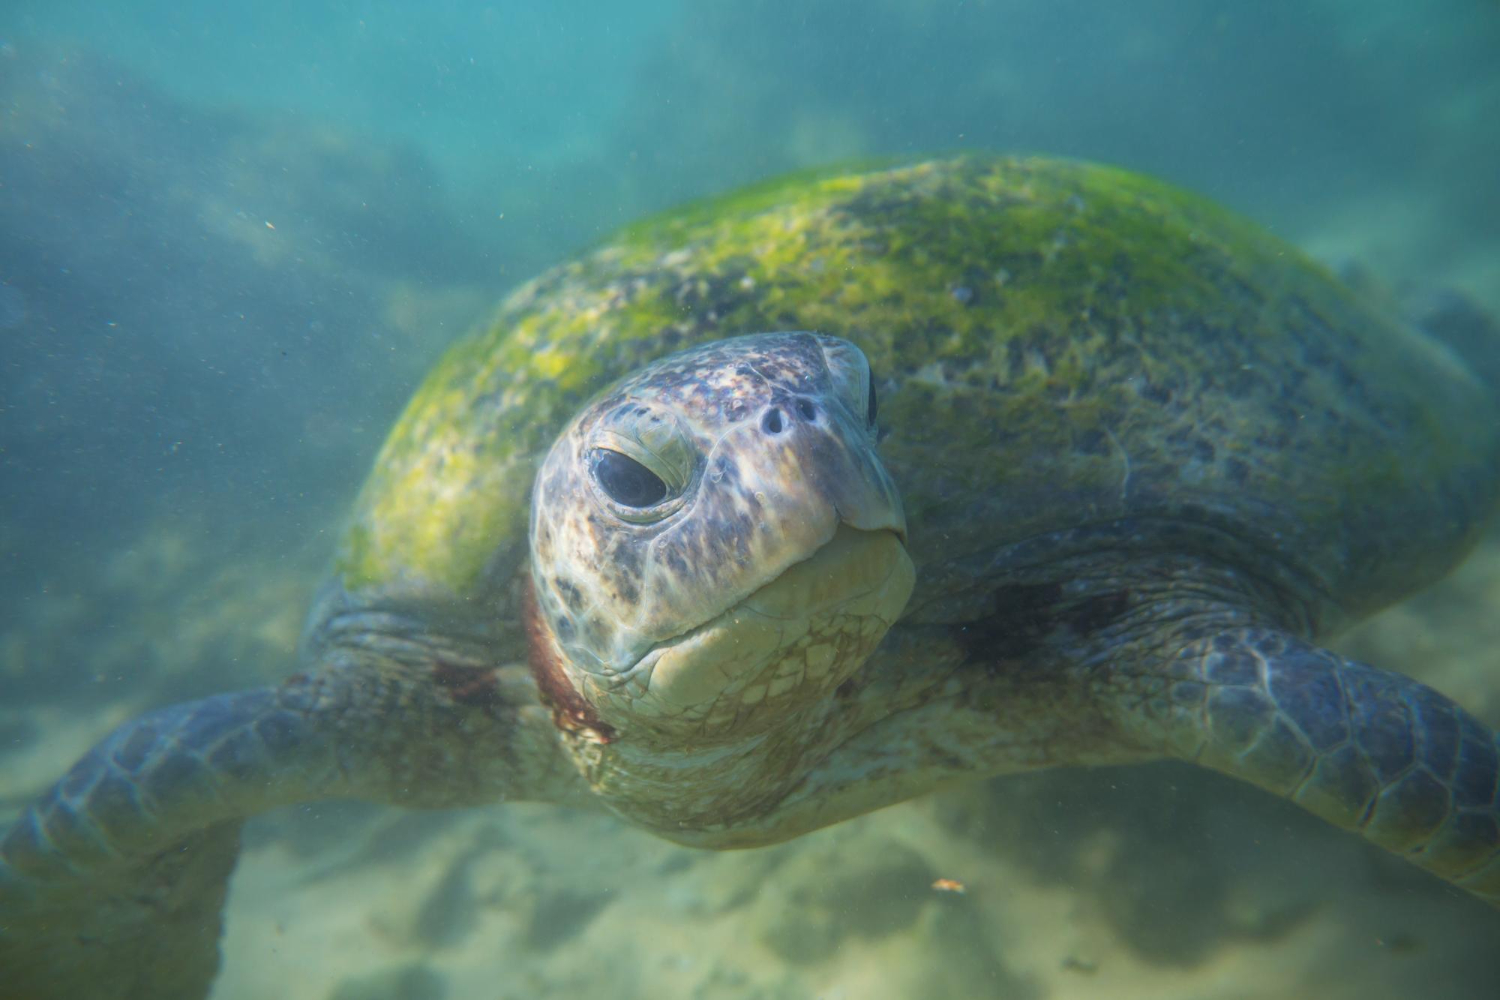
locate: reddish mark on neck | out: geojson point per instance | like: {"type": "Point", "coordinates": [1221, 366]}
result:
{"type": "Point", "coordinates": [570, 711]}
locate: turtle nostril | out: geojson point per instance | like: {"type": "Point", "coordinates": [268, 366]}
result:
{"type": "Point", "coordinates": [771, 423]}
{"type": "Point", "coordinates": [806, 410]}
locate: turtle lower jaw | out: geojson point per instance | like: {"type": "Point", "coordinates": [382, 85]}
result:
{"type": "Point", "coordinates": [800, 634]}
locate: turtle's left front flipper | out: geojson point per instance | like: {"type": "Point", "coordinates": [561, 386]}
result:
{"type": "Point", "coordinates": [112, 884]}
{"type": "Point", "coordinates": [1370, 751]}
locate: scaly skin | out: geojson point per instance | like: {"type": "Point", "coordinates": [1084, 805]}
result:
{"type": "Point", "coordinates": [112, 883]}
{"type": "Point", "coordinates": [328, 736]}
{"type": "Point", "coordinates": [633, 599]}
{"type": "Point", "coordinates": [1370, 751]}
{"type": "Point", "coordinates": [179, 767]}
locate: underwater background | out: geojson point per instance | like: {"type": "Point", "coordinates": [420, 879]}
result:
{"type": "Point", "coordinates": [234, 235]}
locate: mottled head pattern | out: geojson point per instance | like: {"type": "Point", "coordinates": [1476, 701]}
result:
{"type": "Point", "coordinates": [714, 540]}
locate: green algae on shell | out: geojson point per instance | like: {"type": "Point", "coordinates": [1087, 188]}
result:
{"type": "Point", "coordinates": [1055, 343]}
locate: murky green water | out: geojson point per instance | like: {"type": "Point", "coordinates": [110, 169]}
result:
{"type": "Point", "coordinates": [231, 241]}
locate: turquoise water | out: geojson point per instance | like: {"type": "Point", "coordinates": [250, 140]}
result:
{"type": "Point", "coordinates": [233, 237]}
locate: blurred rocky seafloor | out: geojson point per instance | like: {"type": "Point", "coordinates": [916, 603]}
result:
{"type": "Point", "coordinates": [210, 317]}
{"type": "Point", "coordinates": [1157, 881]}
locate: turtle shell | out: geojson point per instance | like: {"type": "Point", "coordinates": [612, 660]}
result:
{"type": "Point", "coordinates": [1057, 346]}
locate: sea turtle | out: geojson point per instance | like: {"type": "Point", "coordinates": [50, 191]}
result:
{"type": "Point", "coordinates": [1048, 464]}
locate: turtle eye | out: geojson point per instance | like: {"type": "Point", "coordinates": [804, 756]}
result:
{"type": "Point", "coordinates": [874, 406]}
{"type": "Point", "coordinates": [628, 482]}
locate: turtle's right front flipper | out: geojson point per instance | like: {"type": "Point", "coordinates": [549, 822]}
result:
{"type": "Point", "coordinates": [173, 771]}
{"type": "Point", "coordinates": [112, 884]}
{"type": "Point", "coordinates": [145, 931]}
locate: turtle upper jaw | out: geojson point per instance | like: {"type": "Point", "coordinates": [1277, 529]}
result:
{"type": "Point", "coordinates": [795, 637]}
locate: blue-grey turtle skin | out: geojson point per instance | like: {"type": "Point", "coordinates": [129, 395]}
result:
{"type": "Point", "coordinates": [1050, 465]}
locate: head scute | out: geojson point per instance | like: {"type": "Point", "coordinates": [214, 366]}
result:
{"type": "Point", "coordinates": [676, 509]}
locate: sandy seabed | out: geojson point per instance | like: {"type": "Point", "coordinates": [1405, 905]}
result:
{"type": "Point", "coordinates": [1160, 881]}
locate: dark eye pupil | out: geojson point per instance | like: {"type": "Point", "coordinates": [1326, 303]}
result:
{"type": "Point", "coordinates": [874, 407]}
{"type": "Point", "coordinates": [627, 481]}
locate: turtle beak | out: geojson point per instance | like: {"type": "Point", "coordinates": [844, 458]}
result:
{"type": "Point", "coordinates": [872, 510]}
{"type": "Point", "coordinates": [854, 481]}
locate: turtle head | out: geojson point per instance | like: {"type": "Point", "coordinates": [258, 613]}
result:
{"type": "Point", "coordinates": [714, 542]}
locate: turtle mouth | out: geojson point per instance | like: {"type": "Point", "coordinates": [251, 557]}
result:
{"type": "Point", "coordinates": [804, 630]}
